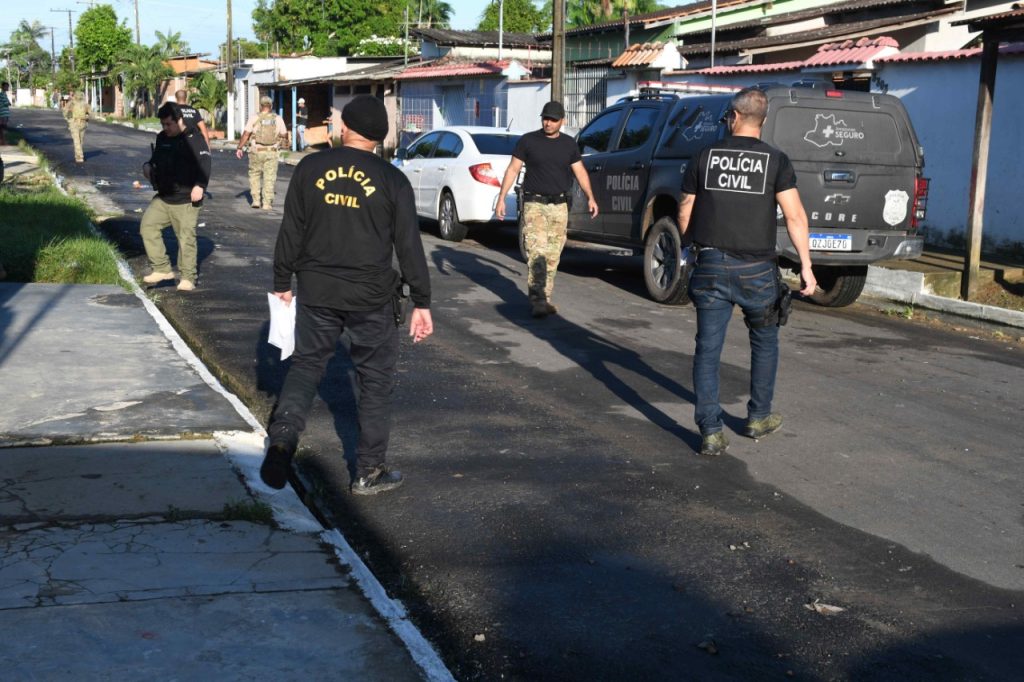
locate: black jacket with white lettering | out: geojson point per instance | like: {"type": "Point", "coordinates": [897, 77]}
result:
{"type": "Point", "coordinates": [347, 213]}
{"type": "Point", "coordinates": [735, 182]}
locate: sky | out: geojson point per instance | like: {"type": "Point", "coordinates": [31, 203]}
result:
{"type": "Point", "coordinates": [202, 23]}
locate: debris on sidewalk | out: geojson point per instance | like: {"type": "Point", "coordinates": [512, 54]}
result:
{"type": "Point", "coordinates": [824, 609]}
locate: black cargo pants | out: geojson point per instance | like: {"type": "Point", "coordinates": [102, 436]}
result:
{"type": "Point", "coordinates": [374, 352]}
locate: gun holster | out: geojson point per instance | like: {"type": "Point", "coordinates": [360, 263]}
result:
{"type": "Point", "coordinates": [398, 302]}
{"type": "Point", "coordinates": [777, 312]}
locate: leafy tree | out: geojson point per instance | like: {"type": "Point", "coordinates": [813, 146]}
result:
{"type": "Point", "coordinates": [325, 27]}
{"type": "Point", "coordinates": [100, 41]}
{"type": "Point", "coordinates": [143, 71]}
{"type": "Point", "coordinates": [521, 16]}
{"type": "Point", "coordinates": [587, 12]}
{"type": "Point", "coordinates": [249, 49]}
{"type": "Point", "coordinates": [171, 44]}
{"type": "Point", "coordinates": [30, 61]}
{"type": "Point", "coordinates": [208, 92]}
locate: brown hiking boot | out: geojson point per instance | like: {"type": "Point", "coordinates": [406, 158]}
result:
{"type": "Point", "coordinates": [157, 277]}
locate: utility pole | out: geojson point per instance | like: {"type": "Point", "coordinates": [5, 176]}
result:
{"type": "Point", "coordinates": [557, 49]}
{"type": "Point", "coordinates": [405, 20]}
{"type": "Point", "coordinates": [53, 49]}
{"type": "Point", "coordinates": [71, 34]}
{"type": "Point", "coordinates": [229, 81]}
{"type": "Point", "coordinates": [138, 34]}
{"type": "Point", "coordinates": [501, 26]}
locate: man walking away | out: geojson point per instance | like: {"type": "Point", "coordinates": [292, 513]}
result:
{"type": "Point", "coordinates": [552, 159]}
{"type": "Point", "coordinates": [301, 119]}
{"type": "Point", "coordinates": [347, 213]}
{"type": "Point", "coordinates": [78, 114]}
{"type": "Point", "coordinates": [180, 172]}
{"type": "Point", "coordinates": [5, 110]}
{"type": "Point", "coordinates": [267, 132]}
{"type": "Point", "coordinates": [734, 231]}
{"type": "Point", "coordinates": [190, 115]}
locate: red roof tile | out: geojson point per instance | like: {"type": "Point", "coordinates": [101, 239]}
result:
{"type": "Point", "coordinates": [641, 54]}
{"type": "Point", "coordinates": [454, 69]}
{"type": "Point", "coordinates": [851, 52]}
{"type": "Point", "coordinates": [750, 68]}
{"type": "Point", "coordinates": [948, 55]}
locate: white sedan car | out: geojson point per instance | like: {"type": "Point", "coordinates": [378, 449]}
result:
{"type": "Point", "coordinates": [456, 175]}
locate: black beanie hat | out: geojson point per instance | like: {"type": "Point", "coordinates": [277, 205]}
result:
{"type": "Point", "coordinates": [366, 115]}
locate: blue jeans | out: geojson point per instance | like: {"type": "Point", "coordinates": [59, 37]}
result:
{"type": "Point", "coordinates": [302, 137]}
{"type": "Point", "coordinates": [719, 282]}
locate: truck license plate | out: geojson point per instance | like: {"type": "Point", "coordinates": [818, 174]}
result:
{"type": "Point", "coordinates": [831, 242]}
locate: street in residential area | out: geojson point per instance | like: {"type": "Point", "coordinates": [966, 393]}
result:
{"type": "Point", "coordinates": [556, 523]}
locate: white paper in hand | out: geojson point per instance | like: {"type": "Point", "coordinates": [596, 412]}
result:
{"type": "Point", "coordinates": [282, 324]}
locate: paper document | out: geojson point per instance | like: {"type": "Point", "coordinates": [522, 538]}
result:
{"type": "Point", "coordinates": [282, 324]}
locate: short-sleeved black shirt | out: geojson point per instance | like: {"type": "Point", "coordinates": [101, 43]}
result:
{"type": "Point", "coordinates": [548, 161]}
{"type": "Point", "coordinates": [190, 116]}
{"type": "Point", "coordinates": [735, 182]}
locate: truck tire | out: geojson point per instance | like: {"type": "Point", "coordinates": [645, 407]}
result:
{"type": "Point", "coordinates": [661, 264]}
{"type": "Point", "coordinates": [838, 286]}
{"type": "Point", "coordinates": [448, 224]}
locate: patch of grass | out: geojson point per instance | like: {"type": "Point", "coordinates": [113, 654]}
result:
{"type": "Point", "coordinates": [45, 237]}
{"type": "Point", "coordinates": [906, 312]}
{"type": "Point", "coordinates": [249, 510]}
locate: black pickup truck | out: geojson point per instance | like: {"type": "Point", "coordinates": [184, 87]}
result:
{"type": "Point", "coordinates": [857, 159]}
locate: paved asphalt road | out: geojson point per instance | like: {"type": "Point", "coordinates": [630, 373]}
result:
{"type": "Point", "coordinates": [556, 523]}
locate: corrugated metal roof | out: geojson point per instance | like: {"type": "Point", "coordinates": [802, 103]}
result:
{"type": "Point", "coordinates": [852, 52]}
{"type": "Point", "coordinates": [453, 69]}
{"type": "Point", "coordinates": [448, 37]}
{"type": "Point", "coordinates": [948, 55]}
{"type": "Point", "coordinates": [641, 54]}
{"type": "Point", "coordinates": [800, 15]}
{"type": "Point", "coordinates": [995, 20]}
{"type": "Point", "coordinates": [657, 16]}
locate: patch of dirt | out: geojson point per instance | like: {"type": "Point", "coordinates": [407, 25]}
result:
{"type": "Point", "coordinates": [1008, 295]}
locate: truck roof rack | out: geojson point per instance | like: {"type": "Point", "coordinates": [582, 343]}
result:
{"type": "Point", "coordinates": [656, 88]}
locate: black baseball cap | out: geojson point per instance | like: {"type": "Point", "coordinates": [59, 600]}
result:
{"type": "Point", "coordinates": [553, 110]}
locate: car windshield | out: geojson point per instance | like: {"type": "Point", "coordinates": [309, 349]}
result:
{"type": "Point", "coordinates": [495, 143]}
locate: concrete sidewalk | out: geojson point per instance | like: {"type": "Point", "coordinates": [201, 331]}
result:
{"type": "Point", "coordinates": [136, 539]}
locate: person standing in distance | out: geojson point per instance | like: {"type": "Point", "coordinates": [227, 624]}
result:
{"type": "Point", "coordinates": [190, 115]}
{"type": "Point", "coordinates": [552, 159]}
{"type": "Point", "coordinates": [268, 133]}
{"type": "Point", "coordinates": [301, 119]}
{"type": "Point", "coordinates": [728, 211]}
{"type": "Point", "coordinates": [346, 215]}
{"type": "Point", "coordinates": [180, 172]}
{"type": "Point", "coordinates": [78, 114]}
{"type": "Point", "coordinates": [5, 110]}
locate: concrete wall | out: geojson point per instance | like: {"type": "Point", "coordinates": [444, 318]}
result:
{"type": "Point", "coordinates": [525, 100]}
{"type": "Point", "coordinates": [941, 98]}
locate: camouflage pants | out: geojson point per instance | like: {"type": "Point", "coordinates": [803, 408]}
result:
{"type": "Point", "coordinates": [543, 236]}
{"type": "Point", "coordinates": [262, 176]}
{"type": "Point", "coordinates": [77, 137]}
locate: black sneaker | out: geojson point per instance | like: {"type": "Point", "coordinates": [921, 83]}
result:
{"type": "Point", "coordinates": [379, 480]}
{"type": "Point", "coordinates": [277, 465]}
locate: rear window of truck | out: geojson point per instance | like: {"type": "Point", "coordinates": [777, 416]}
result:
{"type": "Point", "coordinates": [837, 135]}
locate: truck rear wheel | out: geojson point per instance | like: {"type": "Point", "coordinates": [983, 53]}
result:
{"type": "Point", "coordinates": [661, 264]}
{"type": "Point", "coordinates": [839, 286]}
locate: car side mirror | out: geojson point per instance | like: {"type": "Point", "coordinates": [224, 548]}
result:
{"type": "Point", "coordinates": [402, 153]}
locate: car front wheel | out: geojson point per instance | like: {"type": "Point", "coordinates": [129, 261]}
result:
{"type": "Point", "coordinates": [662, 271]}
{"type": "Point", "coordinates": [838, 286]}
{"type": "Point", "coordinates": [448, 219]}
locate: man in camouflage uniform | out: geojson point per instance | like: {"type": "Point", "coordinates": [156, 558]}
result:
{"type": "Point", "coordinates": [267, 133]}
{"type": "Point", "coordinates": [552, 159]}
{"type": "Point", "coordinates": [78, 114]}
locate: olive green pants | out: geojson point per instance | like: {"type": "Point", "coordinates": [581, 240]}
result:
{"type": "Point", "coordinates": [182, 218]}
{"type": "Point", "coordinates": [78, 138]}
{"type": "Point", "coordinates": [262, 176]}
{"type": "Point", "coordinates": [544, 228]}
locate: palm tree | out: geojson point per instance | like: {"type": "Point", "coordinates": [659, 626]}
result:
{"type": "Point", "coordinates": [24, 51]}
{"type": "Point", "coordinates": [144, 70]}
{"type": "Point", "coordinates": [170, 44]}
{"type": "Point", "coordinates": [589, 12]}
{"type": "Point", "coordinates": [209, 92]}
{"type": "Point", "coordinates": [434, 13]}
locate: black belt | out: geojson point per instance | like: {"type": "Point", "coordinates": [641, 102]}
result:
{"type": "Point", "coordinates": [545, 198]}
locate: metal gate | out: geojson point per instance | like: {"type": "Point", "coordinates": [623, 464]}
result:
{"type": "Point", "coordinates": [586, 94]}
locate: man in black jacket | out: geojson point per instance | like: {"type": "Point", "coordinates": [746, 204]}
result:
{"type": "Point", "coordinates": [180, 171]}
{"type": "Point", "coordinates": [347, 213]}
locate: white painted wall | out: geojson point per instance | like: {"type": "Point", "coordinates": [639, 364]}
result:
{"type": "Point", "coordinates": [941, 98]}
{"type": "Point", "coordinates": [525, 100]}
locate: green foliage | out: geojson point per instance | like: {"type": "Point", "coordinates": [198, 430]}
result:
{"type": "Point", "coordinates": [30, 64]}
{"type": "Point", "coordinates": [430, 13]}
{"type": "Point", "coordinates": [208, 92]}
{"type": "Point", "coordinates": [99, 40]}
{"type": "Point", "coordinates": [521, 16]}
{"type": "Point", "coordinates": [249, 49]}
{"type": "Point", "coordinates": [249, 510]}
{"type": "Point", "coordinates": [45, 237]}
{"type": "Point", "coordinates": [327, 28]}
{"type": "Point", "coordinates": [170, 44]}
{"type": "Point", "coordinates": [143, 70]}
{"type": "Point", "coordinates": [587, 12]}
